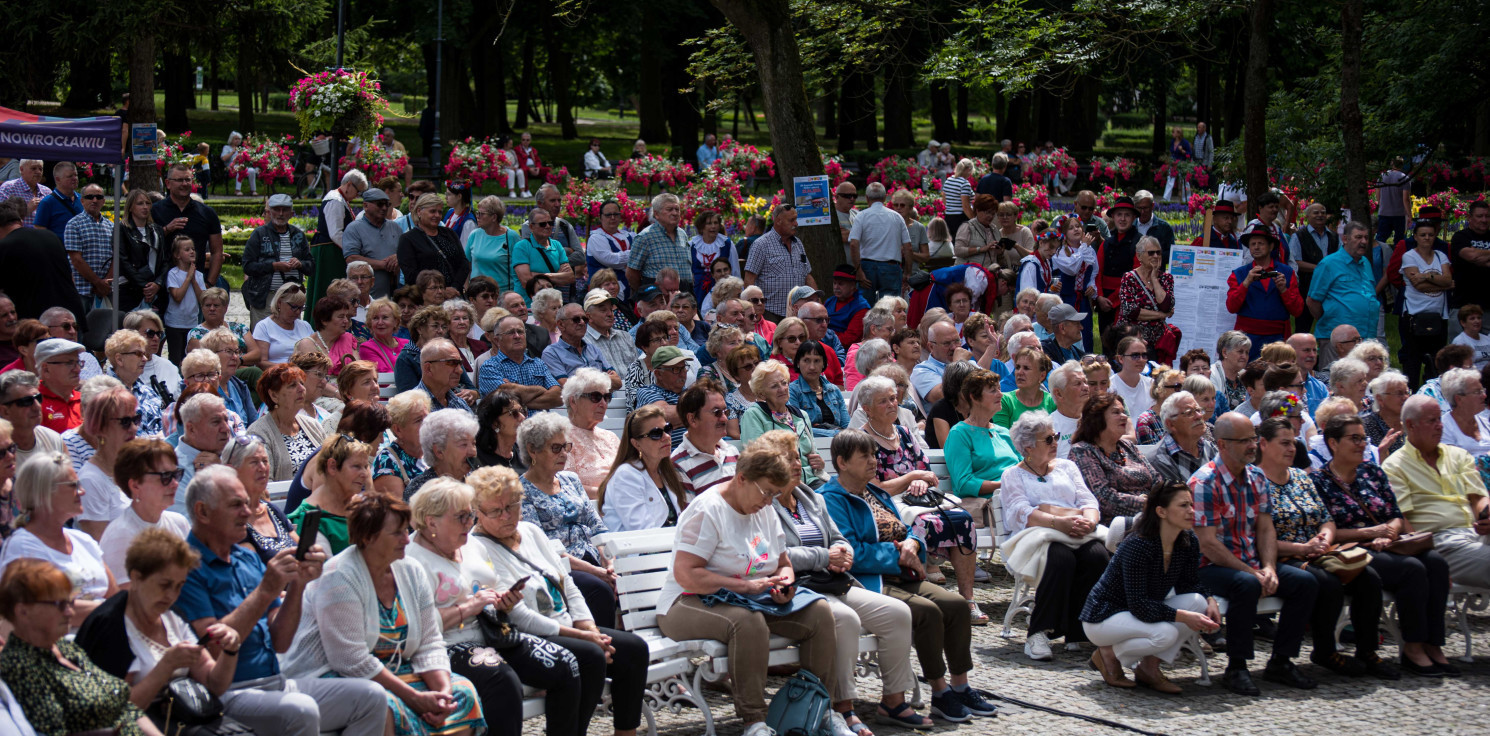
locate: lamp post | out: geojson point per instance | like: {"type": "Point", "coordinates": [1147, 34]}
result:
{"type": "Point", "coordinates": [434, 146]}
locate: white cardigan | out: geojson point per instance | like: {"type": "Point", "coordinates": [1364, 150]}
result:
{"type": "Point", "coordinates": [339, 626]}
{"type": "Point", "coordinates": [633, 501]}
{"type": "Point", "coordinates": [536, 548]}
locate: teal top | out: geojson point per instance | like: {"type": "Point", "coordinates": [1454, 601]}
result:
{"type": "Point", "coordinates": [975, 454]}
{"type": "Point", "coordinates": [756, 421]}
{"type": "Point", "coordinates": [1013, 408]}
{"type": "Point", "coordinates": [539, 260]}
{"type": "Point", "coordinates": [492, 255]}
{"type": "Point", "coordinates": [1346, 287]}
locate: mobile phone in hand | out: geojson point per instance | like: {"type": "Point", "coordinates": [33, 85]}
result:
{"type": "Point", "coordinates": [308, 532]}
{"type": "Point", "coordinates": [521, 583]}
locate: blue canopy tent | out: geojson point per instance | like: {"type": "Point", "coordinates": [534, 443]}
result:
{"type": "Point", "coordinates": [97, 140]}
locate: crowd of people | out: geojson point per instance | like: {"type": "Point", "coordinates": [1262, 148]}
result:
{"type": "Point", "coordinates": [438, 421]}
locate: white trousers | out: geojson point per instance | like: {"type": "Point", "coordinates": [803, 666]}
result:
{"type": "Point", "coordinates": [253, 180]}
{"type": "Point", "coordinates": [1132, 640]}
{"type": "Point", "coordinates": [307, 707]}
{"type": "Point", "coordinates": [889, 620]}
{"type": "Point", "coordinates": [519, 176]}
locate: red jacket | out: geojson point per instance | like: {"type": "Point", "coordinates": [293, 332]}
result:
{"type": "Point", "coordinates": [59, 414]}
{"type": "Point", "coordinates": [1259, 308]}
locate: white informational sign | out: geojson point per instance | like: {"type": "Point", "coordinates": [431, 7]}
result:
{"type": "Point", "coordinates": [1200, 293]}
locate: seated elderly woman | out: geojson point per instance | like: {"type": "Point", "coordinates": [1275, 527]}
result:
{"type": "Point", "coordinates": [320, 390]}
{"type": "Point", "coordinates": [462, 317]}
{"type": "Point", "coordinates": [586, 395]}
{"type": "Point", "coordinates": [1050, 514]}
{"type": "Point", "coordinates": [820, 400]}
{"type": "Point", "coordinates": [1031, 365]}
{"type": "Point", "coordinates": [160, 372]}
{"type": "Point", "coordinates": [290, 436]}
{"type": "Point", "coordinates": [332, 336]}
{"type": "Point", "coordinates": [865, 357]}
{"type": "Point", "coordinates": [946, 412]}
{"type": "Point", "coordinates": [554, 499]}
{"type": "Point", "coordinates": [908, 407]}
{"type": "Point", "coordinates": [58, 688]}
{"type": "Point", "coordinates": [1319, 450]}
{"type": "Point", "coordinates": [269, 530]}
{"type": "Point", "coordinates": [356, 289]}
{"type": "Point", "coordinates": [979, 451]}
{"type": "Point", "coordinates": [771, 383]}
{"type": "Point", "coordinates": [215, 302]}
{"type": "Point", "coordinates": [739, 364]}
{"type": "Point", "coordinates": [552, 606]}
{"type": "Point", "coordinates": [889, 557]}
{"type": "Point", "coordinates": [448, 438]}
{"type": "Point", "coordinates": [126, 355]}
{"type": "Point", "coordinates": [642, 489]}
{"type": "Point", "coordinates": [277, 335]}
{"type": "Point", "coordinates": [1112, 467]}
{"type": "Point", "coordinates": [1349, 378]}
{"type": "Point", "coordinates": [372, 616]}
{"type": "Point", "coordinates": [1383, 423]}
{"type": "Point", "coordinates": [1466, 425]}
{"type": "Point", "coordinates": [233, 390]}
{"type": "Point", "coordinates": [147, 474]}
{"type": "Point", "coordinates": [384, 346]}
{"type": "Point", "coordinates": [47, 496]}
{"type": "Point", "coordinates": [1360, 502]}
{"type": "Point", "coordinates": [161, 646]}
{"type": "Point", "coordinates": [402, 458]}
{"type": "Point", "coordinates": [358, 381]}
{"type": "Point", "coordinates": [1149, 598]}
{"type": "Point", "coordinates": [1148, 427]}
{"type": "Point", "coordinates": [342, 465]}
{"type": "Point", "coordinates": [718, 532]}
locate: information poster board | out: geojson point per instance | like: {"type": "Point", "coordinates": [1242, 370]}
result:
{"type": "Point", "coordinates": [812, 196]}
{"type": "Point", "coordinates": [142, 141]}
{"type": "Point", "coordinates": [1200, 293]}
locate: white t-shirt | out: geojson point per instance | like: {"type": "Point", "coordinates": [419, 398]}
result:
{"type": "Point", "coordinates": [1065, 427]}
{"type": "Point", "coordinates": [122, 531]}
{"type": "Point", "coordinates": [1136, 398]}
{"type": "Point", "coordinates": [85, 567]}
{"type": "Point", "coordinates": [148, 652]}
{"type": "Point", "coordinates": [183, 314]}
{"type": "Point", "coordinates": [102, 499]}
{"type": "Point", "coordinates": [1417, 301]}
{"type": "Point", "coordinates": [163, 369]}
{"type": "Point", "coordinates": [453, 583]}
{"type": "Point", "coordinates": [731, 543]}
{"type": "Point", "coordinates": [1480, 346]}
{"type": "Point", "coordinates": [1453, 436]}
{"type": "Point", "coordinates": [281, 341]}
{"type": "Point", "coordinates": [47, 440]}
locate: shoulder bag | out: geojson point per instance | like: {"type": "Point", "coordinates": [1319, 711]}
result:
{"type": "Point", "coordinates": [1344, 561]}
{"type": "Point", "coordinates": [187, 708]}
{"type": "Point", "coordinates": [801, 707]}
{"type": "Point", "coordinates": [1410, 545]}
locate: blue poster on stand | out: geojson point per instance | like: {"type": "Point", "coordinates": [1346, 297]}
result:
{"type": "Point", "coordinates": [812, 196]}
{"type": "Point", "coordinates": [142, 141]}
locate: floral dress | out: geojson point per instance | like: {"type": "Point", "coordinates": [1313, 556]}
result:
{"type": "Point", "coordinates": [567, 517]}
{"type": "Point", "coordinates": [1377, 429]}
{"type": "Point", "coordinates": [1298, 511]}
{"type": "Point", "coordinates": [60, 700]}
{"type": "Point", "coordinates": [392, 460]}
{"type": "Point", "coordinates": [941, 529]}
{"type": "Point", "coordinates": [1134, 295]}
{"type": "Point", "coordinates": [393, 631]}
{"type": "Point", "coordinates": [1367, 502]}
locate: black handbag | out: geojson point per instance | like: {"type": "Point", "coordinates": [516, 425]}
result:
{"type": "Point", "coordinates": [826, 582]}
{"type": "Point", "coordinates": [187, 708]}
{"type": "Point", "coordinates": [1426, 324]}
{"type": "Point", "coordinates": [498, 632]}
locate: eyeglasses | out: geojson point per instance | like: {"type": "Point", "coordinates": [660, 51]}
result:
{"type": "Point", "coordinates": [157, 334]}
{"type": "Point", "coordinates": [1243, 440]}
{"type": "Point", "coordinates": [74, 363]}
{"type": "Point", "coordinates": [1136, 356]}
{"type": "Point", "coordinates": [69, 326]}
{"type": "Point", "coordinates": [512, 333]}
{"type": "Point", "coordinates": [9, 449]}
{"type": "Point", "coordinates": [1050, 439]}
{"type": "Point", "coordinates": [757, 300]}
{"type": "Point", "coordinates": [597, 397]}
{"type": "Point", "coordinates": [140, 354]}
{"type": "Point", "coordinates": [1193, 411]}
{"type": "Point", "coordinates": [792, 338]}
{"type": "Point", "coordinates": [557, 448]}
{"type": "Point", "coordinates": [511, 509]}
{"type": "Point", "coordinates": [448, 362]}
{"type": "Point", "coordinates": [168, 477]}
{"type": "Point", "coordinates": [24, 401]}
{"type": "Point", "coordinates": [580, 319]}
{"type": "Point", "coordinates": [1094, 360]}
{"type": "Point", "coordinates": [92, 196]}
{"type": "Point", "coordinates": [465, 518]}
{"type": "Point", "coordinates": [658, 433]}
{"type": "Point", "coordinates": [610, 214]}
{"type": "Point", "coordinates": [61, 605]}
{"type": "Point", "coordinates": [1359, 438]}
{"type": "Point", "coordinates": [1173, 386]}
{"type": "Point", "coordinates": [130, 421]}
{"type": "Point", "coordinates": [716, 411]}
{"type": "Point", "coordinates": [209, 376]}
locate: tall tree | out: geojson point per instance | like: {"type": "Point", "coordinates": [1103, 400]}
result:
{"type": "Point", "coordinates": [1352, 126]}
{"type": "Point", "coordinates": [1254, 135]}
{"type": "Point", "coordinates": [142, 174]}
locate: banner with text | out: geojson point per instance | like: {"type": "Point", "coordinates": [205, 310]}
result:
{"type": "Point", "coordinates": [812, 196]}
{"type": "Point", "coordinates": [1200, 294]}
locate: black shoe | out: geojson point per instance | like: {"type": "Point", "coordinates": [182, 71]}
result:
{"type": "Point", "coordinates": [1285, 672]}
{"type": "Point", "coordinates": [1377, 667]}
{"type": "Point", "coordinates": [1265, 629]}
{"type": "Point", "coordinates": [1447, 669]}
{"type": "Point", "coordinates": [1431, 670]}
{"type": "Point", "coordinates": [1239, 682]}
{"type": "Point", "coordinates": [1217, 640]}
{"type": "Point", "coordinates": [1339, 664]}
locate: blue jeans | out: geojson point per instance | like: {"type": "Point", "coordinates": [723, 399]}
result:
{"type": "Point", "coordinates": [1393, 226]}
{"type": "Point", "coordinates": [1259, 341]}
{"type": "Point", "coordinates": [1242, 590]}
{"type": "Point", "coordinates": [884, 277]}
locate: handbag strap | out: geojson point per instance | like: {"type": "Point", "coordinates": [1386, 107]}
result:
{"type": "Point", "coordinates": [1351, 493]}
{"type": "Point", "coordinates": [556, 583]}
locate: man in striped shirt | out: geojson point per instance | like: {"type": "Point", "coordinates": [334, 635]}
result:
{"type": "Point", "coordinates": [702, 410]}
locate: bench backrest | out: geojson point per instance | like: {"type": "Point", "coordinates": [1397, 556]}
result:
{"type": "Point", "coordinates": [643, 562]}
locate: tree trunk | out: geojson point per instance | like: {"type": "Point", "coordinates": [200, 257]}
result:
{"type": "Point", "coordinates": [560, 67]}
{"type": "Point", "coordinates": [1160, 91]}
{"type": "Point", "coordinates": [243, 84]}
{"type": "Point", "coordinates": [214, 82]}
{"type": "Point", "coordinates": [142, 174]}
{"type": "Point", "coordinates": [767, 27]}
{"type": "Point", "coordinates": [898, 128]}
{"type": "Point", "coordinates": [1203, 88]}
{"type": "Point", "coordinates": [755, 125]}
{"type": "Point", "coordinates": [1254, 142]}
{"type": "Point", "coordinates": [1482, 128]}
{"type": "Point", "coordinates": [1352, 127]}
{"type": "Point", "coordinates": [525, 82]}
{"type": "Point", "coordinates": [942, 127]}
{"type": "Point", "coordinates": [683, 120]}
{"type": "Point", "coordinates": [964, 133]}
{"type": "Point", "coordinates": [649, 111]}
{"type": "Point", "coordinates": [1237, 73]}
{"type": "Point", "coordinates": [848, 113]}
{"type": "Point", "coordinates": [735, 126]}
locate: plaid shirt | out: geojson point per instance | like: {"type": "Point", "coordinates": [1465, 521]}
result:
{"type": "Point", "coordinates": [451, 400]}
{"type": "Point", "coordinates": [778, 267]}
{"type": "Point", "coordinates": [653, 251]}
{"type": "Point", "coordinates": [95, 240]}
{"type": "Point", "coordinates": [17, 188]}
{"type": "Point", "coordinates": [1231, 505]}
{"type": "Point", "coordinates": [618, 347]}
{"type": "Point", "coordinates": [500, 369]}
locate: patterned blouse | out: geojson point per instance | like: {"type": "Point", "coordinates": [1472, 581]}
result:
{"type": "Point", "coordinates": [238, 329]}
{"type": "Point", "coordinates": [1377, 429]}
{"type": "Point", "coordinates": [58, 699]}
{"type": "Point", "coordinates": [1298, 511]}
{"type": "Point", "coordinates": [392, 460]}
{"type": "Point", "coordinates": [1133, 295]}
{"type": "Point", "coordinates": [903, 459]}
{"type": "Point", "coordinates": [1120, 481]}
{"type": "Point", "coordinates": [736, 403]}
{"type": "Point", "coordinates": [267, 547]}
{"type": "Point", "coordinates": [1367, 502]}
{"type": "Point", "coordinates": [1150, 429]}
{"type": "Point", "coordinates": [301, 447]}
{"type": "Point", "coordinates": [566, 517]}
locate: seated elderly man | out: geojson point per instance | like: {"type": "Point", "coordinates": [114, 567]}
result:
{"type": "Point", "coordinates": [205, 427]}
{"type": "Point", "coordinates": [1070, 390]}
{"type": "Point", "coordinates": [943, 341]}
{"type": "Point", "coordinates": [511, 369]}
{"type": "Point", "coordinates": [648, 300]}
{"type": "Point", "coordinates": [669, 376]}
{"type": "Point", "coordinates": [1184, 448]}
{"type": "Point", "coordinates": [1239, 548]}
{"type": "Point", "coordinates": [815, 315]}
{"type": "Point", "coordinates": [572, 352]}
{"type": "Point", "coordinates": [1440, 491]}
{"type": "Point", "coordinates": [262, 602]}
{"type": "Point", "coordinates": [737, 312]}
{"type": "Point", "coordinates": [61, 323]}
{"type": "Point", "coordinates": [60, 369]}
{"type": "Point", "coordinates": [1042, 326]}
{"type": "Point", "coordinates": [1064, 342]}
{"type": "Point", "coordinates": [440, 372]}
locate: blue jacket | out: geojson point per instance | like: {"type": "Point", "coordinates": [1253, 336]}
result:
{"type": "Point", "coordinates": [802, 397]}
{"type": "Point", "coordinates": [854, 518]}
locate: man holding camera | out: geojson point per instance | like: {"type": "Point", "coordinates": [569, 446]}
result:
{"type": "Point", "coordinates": [1265, 293]}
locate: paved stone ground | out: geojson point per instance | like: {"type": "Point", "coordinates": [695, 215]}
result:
{"type": "Point", "coordinates": [1339, 705]}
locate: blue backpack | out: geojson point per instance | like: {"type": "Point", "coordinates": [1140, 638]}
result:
{"type": "Point", "coordinates": [801, 707]}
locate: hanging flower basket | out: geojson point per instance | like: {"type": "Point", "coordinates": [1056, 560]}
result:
{"type": "Point", "coordinates": [898, 173]}
{"type": "Point", "coordinates": [744, 161]}
{"type": "Point", "coordinates": [653, 169]}
{"type": "Point", "coordinates": [1031, 200]}
{"type": "Point", "coordinates": [376, 161]}
{"type": "Point", "coordinates": [476, 161]}
{"type": "Point", "coordinates": [339, 103]}
{"type": "Point", "coordinates": [1116, 170]}
{"type": "Point", "coordinates": [182, 150]}
{"type": "Point", "coordinates": [274, 159]}
{"type": "Point", "coordinates": [717, 191]}
{"type": "Point", "coordinates": [1057, 162]}
{"type": "Point", "coordinates": [581, 203]}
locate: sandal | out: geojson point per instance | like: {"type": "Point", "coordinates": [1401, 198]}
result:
{"type": "Point", "coordinates": [904, 715]}
{"type": "Point", "coordinates": [858, 726]}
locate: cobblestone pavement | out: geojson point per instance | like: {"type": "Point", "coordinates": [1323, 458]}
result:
{"type": "Point", "coordinates": [1339, 705]}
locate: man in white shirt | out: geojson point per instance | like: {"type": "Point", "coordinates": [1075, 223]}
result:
{"type": "Point", "coordinates": [843, 202]}
{"type": "Point", "coordinates": [927, 158]}
{"type": "Point", "coordinates": [879, 245]}
{"type": "Point", "coordinates": [1070, 390]}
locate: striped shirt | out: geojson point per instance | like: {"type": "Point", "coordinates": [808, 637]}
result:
{"type": "Point", "coordinates": [953, 187]}
{"type": "Point", "coordinates": [702, 471]}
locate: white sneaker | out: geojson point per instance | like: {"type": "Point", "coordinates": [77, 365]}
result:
{"type": "Point", "coordinates": [512, 194]}
{"type": "Point", "coordinates": [1073, 646]}
{"type": "Point", "coordinates": [1037, 647]}
{"type": "Point", "coordinates": [527, 193]}
{"type": "Point", "coordinates": [760, 728]}
{"type": "Point", "coordinates": [980, 575]}
{"type": "Point", "coordinates": [837, 725]}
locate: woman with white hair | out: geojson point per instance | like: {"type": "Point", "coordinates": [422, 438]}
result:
{"type": "Point", "coordinates": [554, 499]}
{"type": "Point", "coordinates": [722, 339]}
{"type": "Point", "coordinates": [586, 395]}
{"type": "Point", "coordinates": [462, 316]}
{"type": "Point", "coordinates": [159, 372]}
{"type": "Point", "coordinates": [898, 307]}
{"type": "Point", "coordinates": [277, 336]}
{"type": "Point", "coordinates": [545, 312]}
{"type": "Point", "coordinates": [402, 458]}
{"type": "Point", "coordinates": [1465, 425]}
{"type": "Point", "coordinates": [1383, 423]}
{"type": "Point", "coordinates": [771, 384]}
{"type": "Point", "coordinates": [361, 275]}
{"type": "Point", "coordinates": [1044, 491]}
{"type": "Point", "coordinates": [269, 530]}
{"type": "Point", "coordinates": [1374, 354]}
{"type": "Point", "coordinates": [724, 290]}
{"type": "Point", "coordinates": [126, 361]}
{"type": "Point", "coordinates": [1349, 378]}
{"type": "Point", "coordinates": [864, 358]}
{"type": "Point", "coordinates": [448, 438]}
{"type": "Point", "coordinates": [215, 304]}
{"type": "Point", "coordinates": [229, 152]}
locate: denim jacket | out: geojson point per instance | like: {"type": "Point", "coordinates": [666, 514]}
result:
{"type": "Point", "coordinates": [855, 520]}
{"type": "Point", "coordinates": [802, 397]}
{"type": "Point", "coordinates": [259, 256]}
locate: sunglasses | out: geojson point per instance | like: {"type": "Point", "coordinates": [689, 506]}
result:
{"type": "Point", "coordinates": [68, 326]}
{"type": "Point", "coordinates": [1173, 386]}
{"type": "Point", "coordinates": [580, 320]}
{"type": "Point", "coordinates": [168, 477]}
{"type": "Point", "coordinates": [465, 518]}
{"type": "Point", "coordinates": [448, 363]}
{"type": "Point", "coordinates": [9, 449]}
{"type": "Point", "coordinates": [130, 421]}
{"type": "Point", "coordinates": [1136, 356]}
{"type": "Point", "coordinates": [597, 397]}
{"type": "Point", "coordinates": [537, 225]}
{"type": "Point", "coordinates": [757, 300]}
{"type": "Point", "coordinates": [92, 196]}
{"type": "Point", "coordinates": [658, 433]}
{"type": "Point", "coordinates": [24, 401]}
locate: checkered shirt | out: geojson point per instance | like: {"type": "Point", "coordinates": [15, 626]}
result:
{"type": "Point", "coordinates": [653, 251]}
{"type": "Point", "coordinates": [1231, 505]}
{"type": "Point", "coordinates": [17, 188]}
{"type": "Point", "coordinates": [500, 369]}
{"type": "Point", "coordinates": [778, 268]}
{"type": "Point", "coordinates": [95, 240]}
